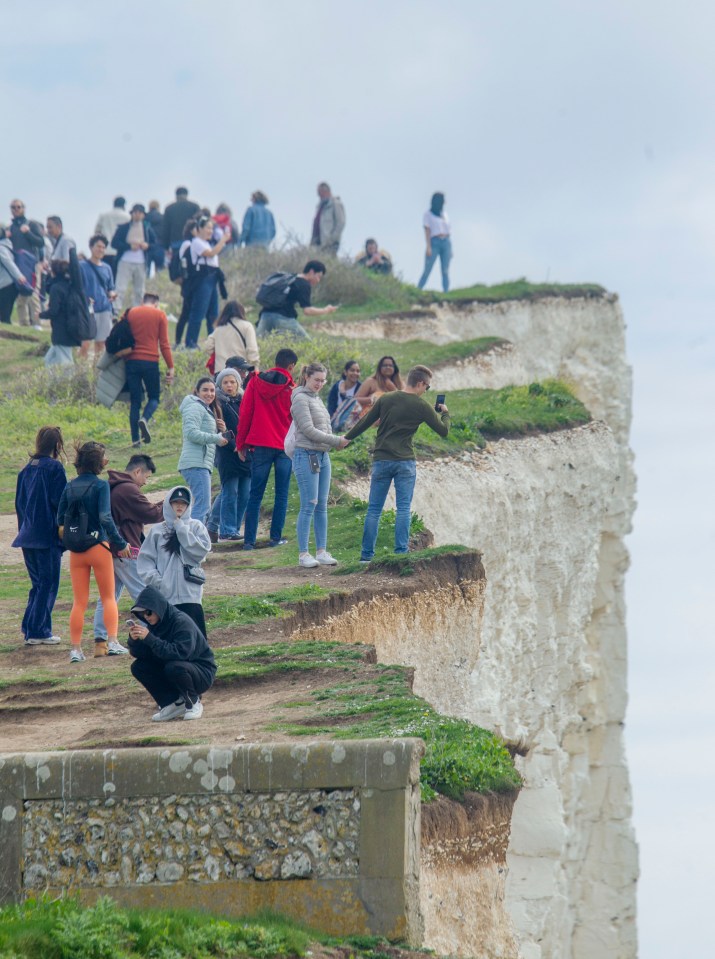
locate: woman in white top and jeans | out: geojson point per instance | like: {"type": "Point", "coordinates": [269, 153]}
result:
{"type": "Point", "coordinates": [204, 299]}
{"type": "Point", "coordinates": [439, 244]}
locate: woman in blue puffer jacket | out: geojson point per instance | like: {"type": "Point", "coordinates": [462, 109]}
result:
{"type": "Point", "coordinates": [202, 428]}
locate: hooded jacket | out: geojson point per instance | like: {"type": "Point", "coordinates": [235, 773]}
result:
{"type": "Point", "coordinates": [40, 486]}
{"type": "Point", "coordinates": [164, 570]}
{"type": "Point", "coordinates": [227, 459]}
{"type": "Point", "coordinates": [312, 422]}
{"type": "Point", "coordinates": [174, 638]}
{"type": "Point", "coordinates": [131, 509]}
{"type": "Point", "coordinates": [200, 437]}
{"type": "Point", "coordinates": [265, 410]}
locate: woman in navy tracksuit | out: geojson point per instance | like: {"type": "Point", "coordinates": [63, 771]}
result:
{"type": "Point", "coordinates": [39, 488]}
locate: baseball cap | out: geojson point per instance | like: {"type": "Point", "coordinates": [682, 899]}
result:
{"type": "Point", "coordinates": [180, 493]}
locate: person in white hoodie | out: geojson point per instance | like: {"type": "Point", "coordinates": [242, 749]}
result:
{"type": "Point", "coordinates": [171, 555]}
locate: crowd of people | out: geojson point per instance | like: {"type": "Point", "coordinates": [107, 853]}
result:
{"type": "Point", "coordinates": [241, 419]}
{"type": "Point", "coordinates": [128, 247]}
{"type": "Point", "coordinates": [249, 423]}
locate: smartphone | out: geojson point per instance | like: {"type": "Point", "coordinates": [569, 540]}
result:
{"type": "Point", "coordinates": [229, 435]}
{"type": "Point", "coordinates": [314, 462]}
{"type": "Point", "coordinates": [441, 397]}
{"type": "Point", "coordinates": [131, 622]}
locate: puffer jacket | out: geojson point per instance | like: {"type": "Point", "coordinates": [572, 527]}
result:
{"type": "Point", "coordinates": [111, 380]}
{"type": "Point", "coordinates": [199, 432]}
{"type": "Point", "coordinates": [312, 422]}
{"type": "Point", "coordinates": [164, 570]}
{"type": "Point", "coordinates": [8, 268]}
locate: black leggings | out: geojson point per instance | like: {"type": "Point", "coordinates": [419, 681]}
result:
{"type": "Point", "coordinates": [169, 682]}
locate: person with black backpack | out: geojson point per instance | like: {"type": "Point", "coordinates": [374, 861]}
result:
{"type": "Point", "coordinates": [280, 293]}
{"type": "Point", "coordinates": [68, 312]}
{"type": "Point", "coordinates": [86, 528]}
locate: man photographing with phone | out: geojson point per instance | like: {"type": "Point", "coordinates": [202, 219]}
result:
{"type": "Point", "coordinates": [400, 414]}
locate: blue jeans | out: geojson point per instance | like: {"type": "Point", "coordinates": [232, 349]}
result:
{"type": "Point", "coordinates": [229, 507]}
{"type": "Point", "coordinates": [277, 323]}
{"type": "Point", "coordinates": [313, 489]}
{"type": "Point", "coordinates": [262, 459]}
{"type": "Point", "coordinates": [198, 479]}
{"type": "Point", "coordinates": [442, 248]}
{"type": "Point", "coordinates": [140, 374]}
{"type": "Point", "coordinates": [43, 568]}
{"type": "Point", "coordinates": [204, 303]}
{"type": "Point", "coordinates": [125, 574]}
{"type": "Point", "coordinates": [384, 472]}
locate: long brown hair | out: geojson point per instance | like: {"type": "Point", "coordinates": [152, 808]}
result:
{"type": "Point", "coordinates": [49, 442]}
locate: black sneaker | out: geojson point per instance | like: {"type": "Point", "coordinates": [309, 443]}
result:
{"type": "Point", "coordinates": [213, 535]}
{"type": "Point", "coordinates": [277, 542]}
{"type": "Point", "coordinates": [144, 430]}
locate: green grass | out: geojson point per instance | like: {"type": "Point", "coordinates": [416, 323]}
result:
{"type": "Point", "coordinates": [520, 289]}
{"type": "Point", "coordinates": [402, 564]}
{"type": "Point", "coordinates": [250, 662]}
{"type": "Point", "coordinates": [63, 929]}
{"type": "Point", "coordinates": [224, 611]}
{"type": "Point", "coordinates": [459, 756]}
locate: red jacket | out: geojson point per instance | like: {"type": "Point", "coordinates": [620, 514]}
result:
{"type": "Point", "coordinates": [265, 410]}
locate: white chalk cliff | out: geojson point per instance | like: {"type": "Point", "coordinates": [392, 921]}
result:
{"type": "Point", "coordinates": [542, 656]}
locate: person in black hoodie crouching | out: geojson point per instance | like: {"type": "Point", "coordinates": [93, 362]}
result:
{"type": "Point", "coordinates": [172, 661]}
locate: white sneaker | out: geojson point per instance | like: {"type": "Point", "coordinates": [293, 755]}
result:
{"type": "Point", "coordinates": [172, 711]}
{"type": "Point", "coordinates": [196, 711]}
{"type": "Point", "coordinates": [116, 649]}
{"type": "Point", "coordinates": [44, 641]}
{"type": "Point", "coordinates": [308, 561]}
{"type": "Point", "coordinates": [325, 559]}
{"type": "Point", "coordinates": [144, 430]}
{"type": "Point", "coordinates": [76, 655]}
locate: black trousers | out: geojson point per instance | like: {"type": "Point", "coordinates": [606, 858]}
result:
{"type": "Point", "coordinates": [194, 611]}
{"type": "Point", "coordinates": [8, 295]}
{"type": "Point", "coordinates": [169, 682]}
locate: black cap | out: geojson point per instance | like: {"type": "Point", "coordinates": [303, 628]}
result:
{"type": "Point", "coordinates": [238, 363]}
{"type": "Point", "coordinates": [181, 494]}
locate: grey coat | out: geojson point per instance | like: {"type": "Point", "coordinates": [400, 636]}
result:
{"type": "Point", "coordinates": [312, 422]}
{"type": "Point", "coordinates": [8, 268]}
{"type": "Point", "coordinates": [111, 381]}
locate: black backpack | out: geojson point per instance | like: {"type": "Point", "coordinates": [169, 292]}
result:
{"type": "Point", "coordinates": [121, 338]}
{"type": "Point", "coordinates": [77, 535]}
{"type": "Point", "coordinates": [81, 324]}
{"type": "Point", "coordinates": [273, 292]}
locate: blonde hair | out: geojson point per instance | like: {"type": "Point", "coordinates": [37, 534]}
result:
{"type": "Point", "coordinates": [307, 371]}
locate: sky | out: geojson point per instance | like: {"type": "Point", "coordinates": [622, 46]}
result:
{"type": "Point", "coordinates": [574, 142]}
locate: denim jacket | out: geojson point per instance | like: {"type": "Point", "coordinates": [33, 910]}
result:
{"type": "Point", "coordinates": [259, 227]}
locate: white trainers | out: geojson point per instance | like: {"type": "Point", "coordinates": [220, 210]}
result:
{"type": "Point", "coordinates": [172, 711]}
{"type": "Point", "coordinates": [43, 641]}
{"type": "Point", "coordinates": [76, 655]}
{"type": "Point", "coordinates": [116, 649]}
{"type": "Point", "coordinates": [144, 430]}
{"type": "Point", "coordinates": [325, 559]}
{"type": "Point", "coordinates": [196, 711]}
{"type": "Point", "coordinates": [308, 561]}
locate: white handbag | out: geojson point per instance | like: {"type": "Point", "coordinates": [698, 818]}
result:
{"type": "Point", "coordinates": [289, 442]}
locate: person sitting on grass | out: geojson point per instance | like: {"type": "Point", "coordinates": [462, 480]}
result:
{"type": "Point", "coordinates": [385, 379]}
{"type": "Point", "coordinates": [172, 659]}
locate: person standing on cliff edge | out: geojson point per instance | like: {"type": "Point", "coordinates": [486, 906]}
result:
{"type": "Point", "coordinates": [400, 415]}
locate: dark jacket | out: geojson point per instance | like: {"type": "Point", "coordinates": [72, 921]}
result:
{"type": "Point", "coordinates": [57, 312]}
{"type": "Point", "coordinates": [120, 243]}
{"type": "Point", "coordinates": [39, 490]}
{"type": "Point", "coordinates": [174, 638]}
{"type": "Point", "coordinates": [32, 241]}
{"type": "Point", "coordinates": [227, 459]}
{"type": "Point", "coordinates": [131, 510]}
{"type": "Point", "coordinates": [95, 495]}
{"type": "Point", "coordinates": [175, 216]}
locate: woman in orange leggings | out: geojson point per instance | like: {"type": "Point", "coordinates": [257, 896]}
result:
{"type": "Point", "coordinates": [86, 526]}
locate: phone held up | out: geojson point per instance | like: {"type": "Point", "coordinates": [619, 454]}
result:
{"type": "Point", "coordinates": [441, 397]}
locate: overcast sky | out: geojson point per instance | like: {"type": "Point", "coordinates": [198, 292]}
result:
{"type": "Point", "coordinates": [574, 142]}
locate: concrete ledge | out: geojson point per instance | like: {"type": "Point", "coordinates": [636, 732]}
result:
{"type": "Point", "coordinates": [326, 832]}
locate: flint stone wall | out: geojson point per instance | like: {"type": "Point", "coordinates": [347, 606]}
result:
{"type": "Point", "coordinates": [326, 832]}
